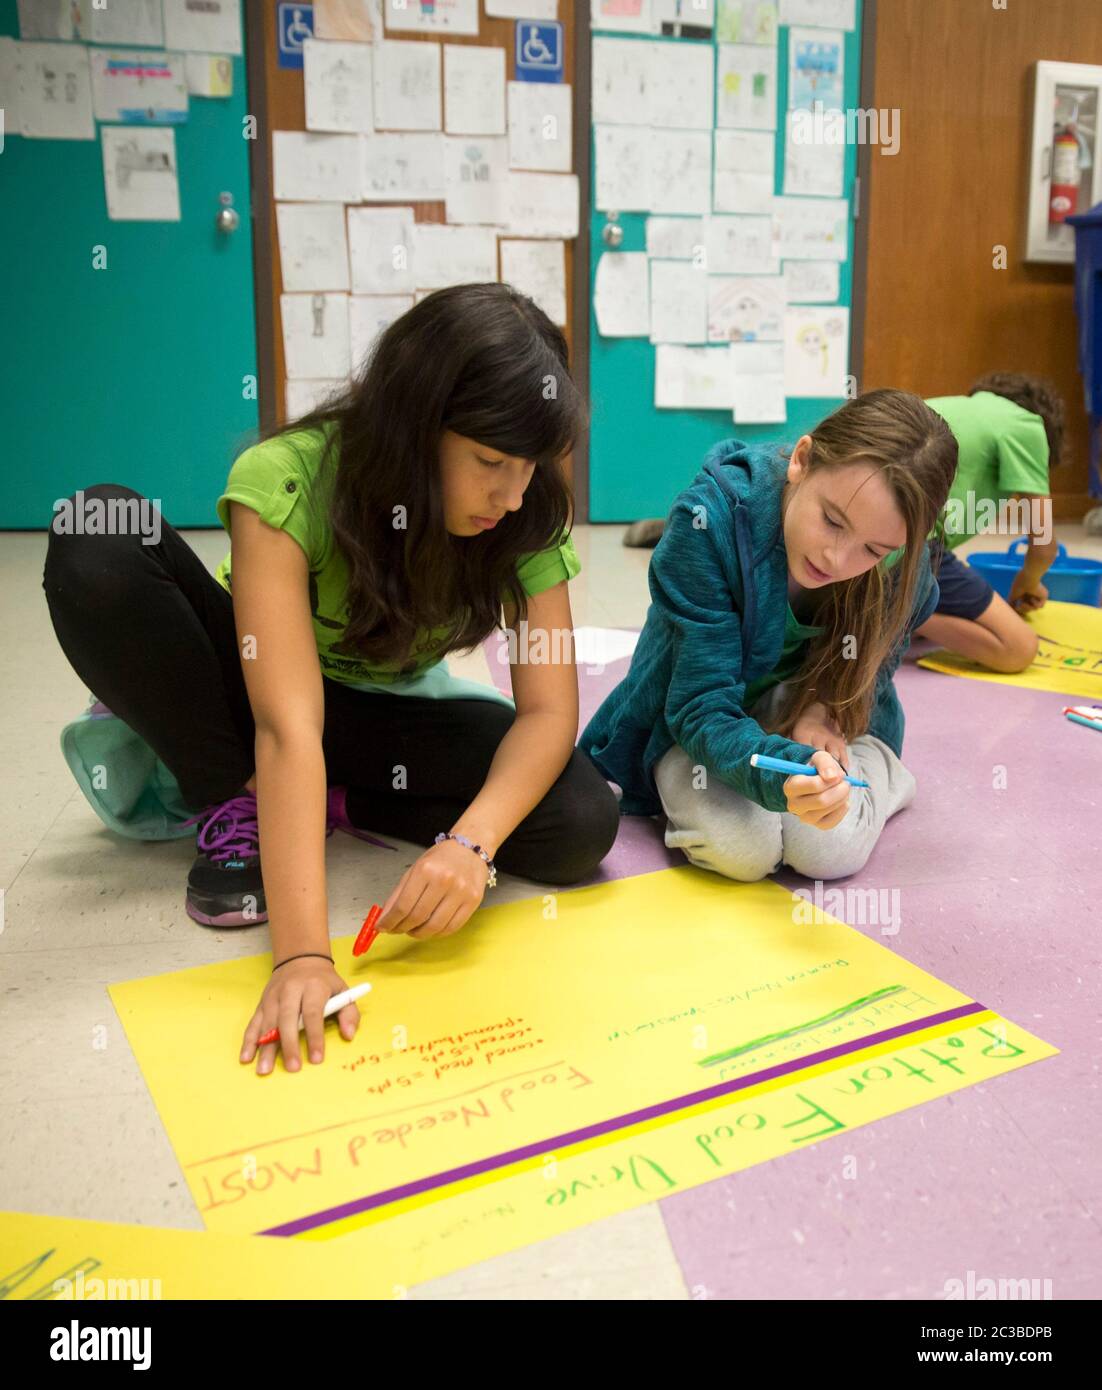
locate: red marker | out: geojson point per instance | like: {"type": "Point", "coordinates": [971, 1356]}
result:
{"type": "Point", "coordinates": [367, 931]}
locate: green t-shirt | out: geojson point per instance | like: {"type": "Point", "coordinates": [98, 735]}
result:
{"type": "Point", "coordinates": [1002, 449]}
{"type": "Point", "coordinates": [279, 479]}
{"type": "Point", "coordinates": [791, 658]}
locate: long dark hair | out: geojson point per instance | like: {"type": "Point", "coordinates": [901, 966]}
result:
{"type": "Point", "coordinates": [486, 362]}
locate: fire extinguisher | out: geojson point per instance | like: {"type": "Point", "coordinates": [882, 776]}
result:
{"type": "Point", "coordinates": [1064, 191]}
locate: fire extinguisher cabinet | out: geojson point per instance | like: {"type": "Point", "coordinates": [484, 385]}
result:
{"type": "Point", "coordinates": [1065, 177]}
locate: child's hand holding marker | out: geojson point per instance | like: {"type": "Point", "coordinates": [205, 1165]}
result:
{"type": "Point", "coordinates": [301, 995]}
{"type": "Point", "coordinates": [819, 798]}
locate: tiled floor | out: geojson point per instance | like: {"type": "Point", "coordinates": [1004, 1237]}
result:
{"type": "Point", "coordinates": [999, 893]}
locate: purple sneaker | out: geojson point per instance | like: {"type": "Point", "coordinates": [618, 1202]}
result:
{"type": "Point", "coordinates": [336, 818]}
{"type": "Point", "coordinates": [224, 887]}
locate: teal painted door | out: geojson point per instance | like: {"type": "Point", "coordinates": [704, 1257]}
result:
{"type": "Point", "coordinates": [640, 458]}
{"type": "Point", "coordinates": [133, 373]}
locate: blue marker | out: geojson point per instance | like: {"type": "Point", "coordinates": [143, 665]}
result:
{"type": "Point", "coordinates": [1088, 723]}
{"type": "Point", "coordinates": [792, 769]}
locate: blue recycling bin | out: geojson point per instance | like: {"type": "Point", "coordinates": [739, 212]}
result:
{"type": "Point", "coordinates": [1088, 309]}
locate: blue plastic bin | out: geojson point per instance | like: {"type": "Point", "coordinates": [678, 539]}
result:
{"type": "Point", "coordinates": [1071, 579]}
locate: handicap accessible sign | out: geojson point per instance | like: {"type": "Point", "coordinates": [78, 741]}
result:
{"type": "Point", "coordinates": [295, 23]}
{"type": "Point", "coordinates": [538, 51]}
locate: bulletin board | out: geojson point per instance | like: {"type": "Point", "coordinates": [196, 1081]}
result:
{"type": "Point", "coordinates": [641, 456]}
{"type": "Point", "coordinates": [285, 108]}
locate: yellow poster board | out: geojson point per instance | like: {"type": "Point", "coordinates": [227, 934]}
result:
{"type": "Point", "coordinates": [65, 1259]}
{"type": "Point", "coordinates": [1068, 660]}
{"type": "Point", "coordinates": [559, 1059]}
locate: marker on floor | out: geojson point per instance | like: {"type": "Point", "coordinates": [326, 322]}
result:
{"type": "Point", "coordinates": [792, 769]}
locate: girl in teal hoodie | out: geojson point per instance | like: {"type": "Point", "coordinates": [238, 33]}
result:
{"type": "Point", "coordinates": [785, 589]}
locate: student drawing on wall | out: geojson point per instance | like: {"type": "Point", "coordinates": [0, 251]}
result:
{"type": "Point", "coordinates": [812, 340]}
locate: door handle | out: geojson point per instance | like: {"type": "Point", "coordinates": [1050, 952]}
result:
{"type": "Point", "coordinates": [227, 219]}
{"type": "Point", "coordinates": [612, 234]}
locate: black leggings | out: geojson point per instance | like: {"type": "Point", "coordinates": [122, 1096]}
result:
{"type": "Point", "coordinates": [151, 633]}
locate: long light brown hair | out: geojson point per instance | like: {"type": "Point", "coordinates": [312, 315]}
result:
{"type": "Point", "coordinates": [915, 452]}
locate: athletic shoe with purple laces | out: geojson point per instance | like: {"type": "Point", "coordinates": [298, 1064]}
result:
{"type": "Point", "coordinates": [224, 887]}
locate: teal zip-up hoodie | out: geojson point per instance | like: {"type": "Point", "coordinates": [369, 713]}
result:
{"type": "Point", "coordinates": [719, 588]}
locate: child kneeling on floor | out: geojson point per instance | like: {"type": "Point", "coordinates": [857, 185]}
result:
{"type": "Point", "coordinates": [785, 589]}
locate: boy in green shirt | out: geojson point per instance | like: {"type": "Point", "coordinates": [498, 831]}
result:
{"type": "Point", "coordinates": [1009, 430]}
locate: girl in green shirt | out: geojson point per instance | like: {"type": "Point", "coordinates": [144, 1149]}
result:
{"type": "Point", "coordinates": [301, 690]}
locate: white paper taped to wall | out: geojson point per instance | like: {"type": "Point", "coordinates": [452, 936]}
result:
{"type": "Point", "coordinates": [622, 157]}
{"type": "Point", "coordinates": [757, 383]}
{"type": "Point", "coordinates": [678, 302]}
{"type": "Point", "coordinates": [120, 21]}
{"type": "Point", "coordinates": [313, 248]}
{"type": "Point", "coordinates": [814, 229]}
{"type": "Point", "coordinates": [452, 255]}
{"type": "Point", "coordinates": [655, 84]}
{"type": "Point", "coordinates": [380, 249]}
{"type": "Point", "coordinates": [746, 86]}
{"type": "Point", "coordinates": [474, 90]}
{"type": "Point", "coordinates": [55, 92]}
{"type": "Point", "coordinates": [743, 180]}
{"type": "Point", "coordinates": [402, 167]}
{"type": "Point", "coordinates": [747, 21]}
{"type": "Point", "coordinates": [442, 16]}
{"type": "Point", "coordinates": [540, 126]}
{"type": "Point", "coordinates": [407, 85]}
{"type": "Point", "coordinates": [211, 27]}
{"type": "Point", "coordinates": [812, 282]}
{"type": "Point", "coordinates": [816, 350]}
{"type": "Point", "coordinates": [542, 205]}
{"type": "Point", "coordinates": [537, 269]}
{"type": "Point", "coordinates": [309, 168]}
{"type": "Point", "coordinates": [209, 74]}
{"type": "Point", "coordinates": [691, 378]}
{"type": "Point", "coordinates": [745, 308]}
{"type": "Point", "coordinates": [338, 84]}
{"type": "Point", "coordinates": [139, 174]}
{"type": "Point", "coordinates": [840, 14]}
{"type": "Point", "coordinates": [812, 170]}
{"type": "Point", "coordinates": [680, 170]}
{"type": "Point", "coordinates": [138, 88]}
{"type": "Point", "coordinates": [740, 245]}
{"type": "Point", "coordinates": [315, 334]}
{"type": "Point", "coordinates": [621, 295]}
{"type": "Point", "coordinates": [675, 238]}
{"type": "Point", "coordinates": [45, 19]}
{"type": "Point", "coordinates": [476, 170]}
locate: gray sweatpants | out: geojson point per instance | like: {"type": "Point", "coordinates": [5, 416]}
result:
{"type": "Point", "coordinates": [718, 828]}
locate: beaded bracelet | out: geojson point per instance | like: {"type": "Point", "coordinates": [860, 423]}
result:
{"type": "Point", "coordinates": [491, 881]}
